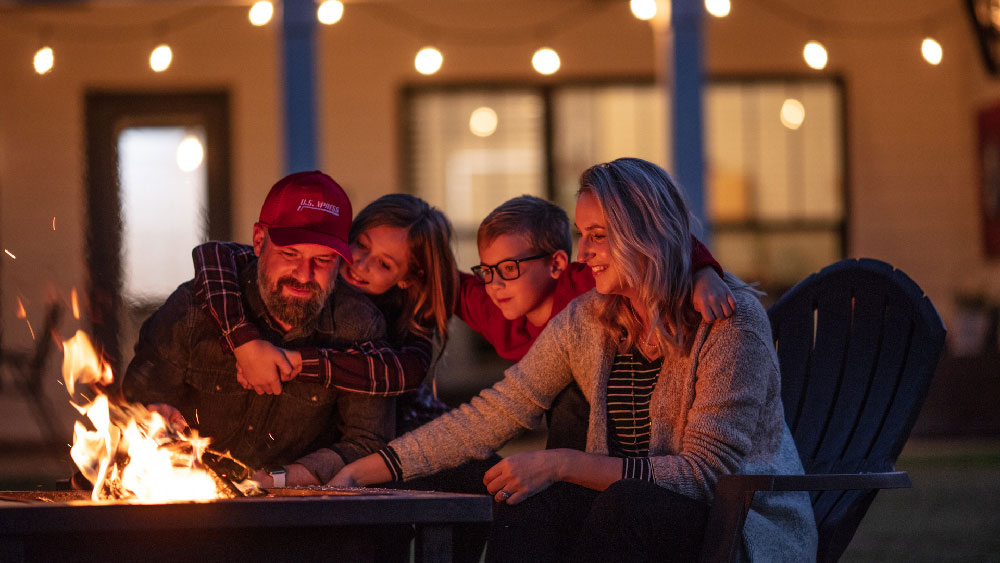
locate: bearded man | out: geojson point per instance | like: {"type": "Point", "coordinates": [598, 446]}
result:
{"type": "Point", "coordinates": [183, 370]}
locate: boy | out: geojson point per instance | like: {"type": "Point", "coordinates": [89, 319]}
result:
{"type": "Point", "coordinates": [525, 278]}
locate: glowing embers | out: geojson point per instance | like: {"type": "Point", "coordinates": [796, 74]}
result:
{"type": "Point", "coordinates": [130, 452]}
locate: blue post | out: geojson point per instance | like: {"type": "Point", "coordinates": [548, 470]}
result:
{"type": "Point", "coordinates": [298, 27]}
{"type": "Point", "coordinates": [688, 78]}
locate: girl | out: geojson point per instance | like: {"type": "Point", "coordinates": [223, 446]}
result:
{"type": "Point", "coordinates": [675, 402]}
{"type": "Point", "coordinates": [403, 260]}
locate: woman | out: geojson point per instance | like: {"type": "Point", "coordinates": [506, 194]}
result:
{"type": "Point", "coordinates": [675, 403]}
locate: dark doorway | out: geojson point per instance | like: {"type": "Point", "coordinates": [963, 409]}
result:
{"type": "Point", "coordinates": [128, 193]}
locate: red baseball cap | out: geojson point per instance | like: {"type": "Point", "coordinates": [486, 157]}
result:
{"type": "Point", "coordinates": [308, 208]}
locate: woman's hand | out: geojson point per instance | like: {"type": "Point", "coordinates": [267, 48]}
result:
{"type": "Point", "coordinates": [522, 475]}
{"type": "Point", "coordinates": [711, 296]}
{"type": "Point", "coordinates": [362, 472]}
{"type": "Point", "coordinates": [262, 366]}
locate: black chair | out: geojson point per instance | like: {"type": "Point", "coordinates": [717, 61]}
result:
{"type": "Point", "coordinates": [26, 368]}
{"type": "Point", "coordinates": [858, 343]}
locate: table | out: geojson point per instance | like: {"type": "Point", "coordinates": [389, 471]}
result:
{"type": "Point", "coordinates": [309, 524]}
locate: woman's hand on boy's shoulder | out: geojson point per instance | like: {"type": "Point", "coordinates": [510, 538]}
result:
{"type": "Point", "coordinates": [711, 296]}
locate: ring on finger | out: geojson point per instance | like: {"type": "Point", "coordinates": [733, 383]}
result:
{"type": "Point", "coordinates": [504, 495]}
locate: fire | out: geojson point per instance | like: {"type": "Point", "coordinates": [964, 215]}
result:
{"type": "Point", "coordinates": [132, 453]}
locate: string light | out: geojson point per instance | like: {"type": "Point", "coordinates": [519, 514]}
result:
{"type": "Point", "coordinates": [330, 12]}
{"type": "Point", "coordinates": [428, 60]}
{"type": "Point", "coordinates": [545, 60]}
{"type": "Point", "coordinates": [261, 13]}
{"type": "Point", "coordinates": [643, 9]}
{"type": "Point", "coordinates": [931, 50]}
{"type": "Point", "coordinates": [815, 55]}
{"type": "Point", "coordinates": [44, 60]}
{"type": "Point", "coordinates": [160, 58]}
{"type": "Point", "coordinates": [718, 8]}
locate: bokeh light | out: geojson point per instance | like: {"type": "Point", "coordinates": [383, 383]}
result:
{"type": "Point", "coordinates": [545, 61]}
{"type": "Point", "coordinates": [428, 60]}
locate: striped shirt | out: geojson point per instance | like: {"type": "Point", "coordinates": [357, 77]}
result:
{"type": "Point", "coordinates": [630, 386]}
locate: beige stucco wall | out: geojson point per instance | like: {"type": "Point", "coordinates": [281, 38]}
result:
{"type": "Point", "coordinates": [910, 126]}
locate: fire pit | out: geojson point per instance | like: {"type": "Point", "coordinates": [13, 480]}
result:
{"type": "Point", "coordinates": [295, 524]}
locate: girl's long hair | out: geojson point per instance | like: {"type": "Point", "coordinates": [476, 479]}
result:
{"type": "Point", "coordinates": [649, 234]}
{"type": "Point", "coordinates": [428, 302]}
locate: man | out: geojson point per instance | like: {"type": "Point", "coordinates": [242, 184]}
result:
{"type": "Point", "coordinates": [290, 294]}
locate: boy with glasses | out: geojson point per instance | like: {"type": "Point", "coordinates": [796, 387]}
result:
{"type": "Point", "coordinates": [525, 278]}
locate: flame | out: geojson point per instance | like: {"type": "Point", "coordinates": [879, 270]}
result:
{"type": "Point", "coordinates": [131, 453]}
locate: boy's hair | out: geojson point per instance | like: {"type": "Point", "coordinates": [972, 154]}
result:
{"type": "Point", "coordinates": [429, 301]}
{"type": "Point", "coordinates": [543, 223]}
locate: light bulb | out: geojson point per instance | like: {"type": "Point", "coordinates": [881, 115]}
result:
{"type": "Point", "coordinates": [545, 61]}
{"type": "Point", "coordinates": [815, 55]}
{"type": "Point", "coordinates": [44, 60]}
{"type": "Point", "coordinates": [643, 9]}
{"type": "Point", "coordinates": [428, 60]}
{"type": "Point", "coordinates": [261, 13]}
{"type": "Point", "coordinates": [793, 113]}
{"type": "Point", "coordinates": [932, 51]}
{"type": "Point", "coordinates": [159, 59]}
{"type": "Point", "coordinates": [330, 12]}
{"type": "Point", "coordinates": [718, 8]}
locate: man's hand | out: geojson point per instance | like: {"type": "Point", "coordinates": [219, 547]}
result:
{"type": "Point", "coordinates": [296, 475]}
{"type": "Point", "coordinates": [262, 366]}
{"type": "Point", "coordinates": [711, 296]}
{"type": "Point", "coordinates": [522, 475]}
{"type": "Point", "coordinates": [170, 414]}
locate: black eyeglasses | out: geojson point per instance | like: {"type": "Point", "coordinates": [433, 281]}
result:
{"type": "Point", "coordinates": [508, 270]}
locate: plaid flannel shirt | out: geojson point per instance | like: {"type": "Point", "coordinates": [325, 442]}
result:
{"type": "Point", "coordinates": [372, 367]}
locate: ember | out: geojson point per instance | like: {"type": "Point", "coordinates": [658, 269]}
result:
{"type": "Point", "coordinates": [133, 453]}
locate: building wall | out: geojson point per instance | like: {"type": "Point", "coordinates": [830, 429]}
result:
{"type": "Point", "coordinates": [910, 126]}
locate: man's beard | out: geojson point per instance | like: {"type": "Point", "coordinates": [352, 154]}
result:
{"type": "Point", "coordinates": [292, 311]}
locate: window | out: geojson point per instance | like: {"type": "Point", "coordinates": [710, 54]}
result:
{"type": "Point", "coordinates": [164, 208]}
{"type": "Point", "coordinates": [774, 156]}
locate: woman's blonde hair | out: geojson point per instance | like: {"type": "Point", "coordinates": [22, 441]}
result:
{"type": "Point", "coordinates": [428, 301]}
{"type": "Point", "coordinates": [649, 234]}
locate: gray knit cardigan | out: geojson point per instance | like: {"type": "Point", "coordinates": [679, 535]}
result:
{"type": "Point", "coordinates": [714, 411]}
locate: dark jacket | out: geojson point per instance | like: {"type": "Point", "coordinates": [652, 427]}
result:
{"type": "Point", "coordinates": [179, 361]}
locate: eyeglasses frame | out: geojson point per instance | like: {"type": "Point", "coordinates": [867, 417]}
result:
{"type": "Point", "coordinates": [494, 269]}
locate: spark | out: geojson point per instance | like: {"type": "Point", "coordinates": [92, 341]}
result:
{"type": "Point", "coordinates": [9, 253]}
{"type": "Point", "coordinates": [76, 304]}
{"type": "Point", "coordinates": [21, 313]}
{"type": "Point", "coordinates": [53, 223]}
{"type": "Point", "coordinates": [196, 420]}
{"type": "Point", "coordinates": [271, 436]}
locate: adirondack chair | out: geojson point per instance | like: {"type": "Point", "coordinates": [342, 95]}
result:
{"type": "Point", "coordinates": [857, 343]}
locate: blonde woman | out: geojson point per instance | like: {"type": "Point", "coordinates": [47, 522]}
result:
{"type": "Point", "coordinates": [675, 403]}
